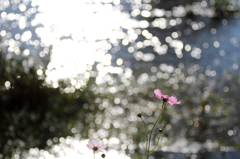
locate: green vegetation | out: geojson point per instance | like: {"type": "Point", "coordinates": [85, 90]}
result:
{"type": "Point", "coordinates": [33, 113]}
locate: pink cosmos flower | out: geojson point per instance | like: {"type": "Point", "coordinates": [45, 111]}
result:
{"type": "Point", "coordinates": [96, 145]}
{"type": "Point", "coordinates": [171, 100]}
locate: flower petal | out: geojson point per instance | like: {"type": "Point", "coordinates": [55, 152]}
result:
{"type": "Point", "coordinates": [90, 144]}
{"type": "Point", "coordinates": [165, 96]}
{"type": "Point", "coordinates": [173, 100]}
{"type": "Point", "coordinates": [90, 147]}
{"type": "Point", "coordinates": [102, 146]}
{"type": "Point", "coordinates": [158, 93]}
{"type": "Point", "coordinates": [96, 142]}
{"type": "Point", "coordinates": [99, 151]}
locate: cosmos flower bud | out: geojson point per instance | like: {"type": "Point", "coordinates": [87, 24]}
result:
{"type": "Point", "coordinates": [103, 155]}
{"type": "Point", "coordinates": [160, 130]}
{"type": "Point", "coordinates": [139, 115]}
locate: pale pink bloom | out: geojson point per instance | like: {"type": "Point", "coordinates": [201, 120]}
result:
{"type": "Point", "coordinates": [171, 100]}
{"type": "Point", "coordinates": [96, 145]}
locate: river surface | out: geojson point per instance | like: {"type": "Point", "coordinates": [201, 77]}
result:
{"type": "Point", "coordinates": [144, 45]}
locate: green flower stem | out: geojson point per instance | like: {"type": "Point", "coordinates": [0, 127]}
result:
{"type": "Point", "coordinates": [146, 131]}
{"type": "Point", "coordinates": [153, 129]}
{"type": "Point", "coordinates": [94, 155]}
{"type": "Point", "coordinates": [156, 145]}
{"type": "Point", "coordinates": [148, 155]}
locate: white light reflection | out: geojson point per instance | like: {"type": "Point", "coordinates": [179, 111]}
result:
{"type": "Point", "coordinates": [89, 30]}
{"type": "Point", "coordinates": [73, 148]}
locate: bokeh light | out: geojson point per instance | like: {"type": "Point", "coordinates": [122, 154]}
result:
{"type": "Point", "coordinates": [113, 54]}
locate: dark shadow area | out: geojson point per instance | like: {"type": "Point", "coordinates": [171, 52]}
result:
{"type": "Point", "coordinates": [33, 113]}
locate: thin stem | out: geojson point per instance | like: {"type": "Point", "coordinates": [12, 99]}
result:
{"type": "Point", "coordinates": [94, 155]}
{"type": "Point", "coordinates": [144, 149]}
{"type": "Point", "coordinates": [154, 127]}
{"type": "Point", "coordinates": [147, 155]}
{"type": "Point", "coordinates": [144, 125]}
{"type": "Point", "coordinates": [147, 133]}
{"type": "Point", "coordinates": [156, 144]}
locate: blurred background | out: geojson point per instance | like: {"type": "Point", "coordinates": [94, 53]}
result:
{"type": "Point", "coordinates": [71, 70]}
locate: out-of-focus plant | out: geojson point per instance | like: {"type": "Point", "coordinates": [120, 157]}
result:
{"type": "Point", "coordinates": [32, 113]}
{"type": "Point", "coordinates": [219, 8]}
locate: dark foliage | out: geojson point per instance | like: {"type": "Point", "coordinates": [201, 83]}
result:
{"type": "Point", "coordinates": [31, 113]}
